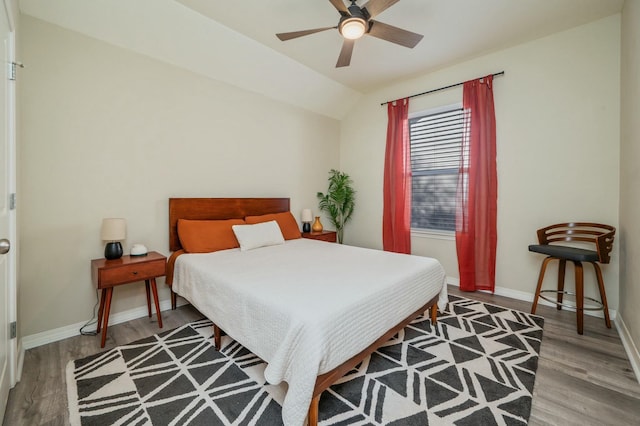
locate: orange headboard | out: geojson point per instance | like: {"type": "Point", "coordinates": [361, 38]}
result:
{"type": "Point", "coordinates": [218, 208]}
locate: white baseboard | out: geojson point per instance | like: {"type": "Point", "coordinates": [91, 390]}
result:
{"type": "Point", "coordinates": [50, 336]}
{"type": "Point", "coordinates": [528, 297]}
{"type": "Point", "coordinates": [20, 362]}
{"type": "Point", "coordinates": [61, 333]}
{"type": "Point", "coordinates": [629, 346]}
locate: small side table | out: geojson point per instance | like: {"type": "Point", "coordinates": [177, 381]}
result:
{"type": "Point", "coordinates": [107, 274]}
{"type": "Point", "coordinates": [329, 236]}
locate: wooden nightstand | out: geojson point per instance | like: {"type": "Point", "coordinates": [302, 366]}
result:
{"type": "Point", "coordinates": [107, 274]}
{"type": "Point", "coordinates": [329, 236]}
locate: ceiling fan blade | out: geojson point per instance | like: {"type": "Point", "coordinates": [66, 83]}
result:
{"type": "Point", "coordinates": [394, 34]}
{"type": "Point", "coordinates": [339, 4]}
{"type": "Point", "coordinates": [345, 53]}
{"type": "Point", "coordinates": [296, 34]}
{"type": "Point", "coordinates": [375, 7]}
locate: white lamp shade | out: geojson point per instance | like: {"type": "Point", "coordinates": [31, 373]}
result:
{"type": "Point", "coordinates": [306, 215]}
{"type": "Point", "coordinates": [113, 229]}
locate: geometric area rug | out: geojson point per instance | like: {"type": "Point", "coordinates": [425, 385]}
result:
{"type": "Point", "coordinates": [477, 366]}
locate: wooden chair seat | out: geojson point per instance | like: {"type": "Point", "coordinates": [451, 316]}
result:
{"type": "Point", "coordinates": [583, 233]}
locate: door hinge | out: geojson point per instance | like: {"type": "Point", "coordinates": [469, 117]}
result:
{"type": "Point", "coordinates": [13, 330]}
{"type": "Point", "coordinates": [12, 201]}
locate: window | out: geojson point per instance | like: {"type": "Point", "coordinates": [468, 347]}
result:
{"type": "Point", "coordinates": [436, 140]}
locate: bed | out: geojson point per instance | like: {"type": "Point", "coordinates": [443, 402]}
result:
{"type": "Point", "coordinates": [311, 310]}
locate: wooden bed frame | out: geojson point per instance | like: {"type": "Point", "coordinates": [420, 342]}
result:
{"type": "Point", "coordinates": [217, 209]}
{"type": "Point", "coordinates": [233, 208]}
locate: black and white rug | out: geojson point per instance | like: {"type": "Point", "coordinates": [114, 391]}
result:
{"type": "Point", "coordinates": [476, 367]}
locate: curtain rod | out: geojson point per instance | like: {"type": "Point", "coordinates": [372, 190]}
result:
{"type": "Point", "coordinates": [440, 88]}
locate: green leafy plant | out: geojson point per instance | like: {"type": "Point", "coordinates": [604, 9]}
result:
{"type": "Point", "coordinates": [339, 201]}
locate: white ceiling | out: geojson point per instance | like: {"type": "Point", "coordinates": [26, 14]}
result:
{"type": "Point", "coordinates": [235, 42]}
{"type": "Point", "coordinates": [453, 30]}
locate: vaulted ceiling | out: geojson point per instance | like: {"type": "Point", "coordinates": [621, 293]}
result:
{"type": "Point", "coordinates": [235, 42]}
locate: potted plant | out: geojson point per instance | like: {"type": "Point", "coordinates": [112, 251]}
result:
{"type": "Point", "coordinates": [339, 201]}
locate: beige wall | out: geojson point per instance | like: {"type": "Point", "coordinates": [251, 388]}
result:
{"type": "Point", "coordinates": [629, 176]}
{"type": "Point", "coordinates": [558, 132]}
{"type": "Point", "coordinates": [106, 132]}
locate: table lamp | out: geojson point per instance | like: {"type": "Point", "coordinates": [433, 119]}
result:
{"type": "Point", "coordinates": [113, 230]}
{"type": "Point", "coordinates": [307, 218]}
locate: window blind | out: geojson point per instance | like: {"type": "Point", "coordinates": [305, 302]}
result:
{"type": "Point", "coordinates": [436, 141]}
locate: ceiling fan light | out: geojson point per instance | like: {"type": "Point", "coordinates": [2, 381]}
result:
{"type": "Point", "coordinates": [353, 28]}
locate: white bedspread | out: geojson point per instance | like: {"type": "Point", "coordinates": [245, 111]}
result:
{"type": "Point", "coordinates": [307, 306]}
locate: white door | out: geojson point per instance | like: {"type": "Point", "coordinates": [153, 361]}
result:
{"type": "Point", "coordinates": [7, 345]}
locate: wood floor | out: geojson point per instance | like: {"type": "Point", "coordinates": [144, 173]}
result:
{"type": "Point", "coordinates": [581, 380]}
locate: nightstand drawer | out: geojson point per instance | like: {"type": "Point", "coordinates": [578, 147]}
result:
{"type": "Point", "coordinates": [329, 236]}
{"type": "Point", "coordinates": [133, 272]}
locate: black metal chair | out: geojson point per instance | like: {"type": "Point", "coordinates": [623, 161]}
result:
{"type": "Point", "coordinates": [582, 233]}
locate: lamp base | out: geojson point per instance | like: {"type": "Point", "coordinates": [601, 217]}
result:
{"type": "Point", "coordinates": [306, 227]}
{"type": "Point", "coordinates": [113, 250]}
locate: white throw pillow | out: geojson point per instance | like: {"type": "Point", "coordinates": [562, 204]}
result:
{"type": "Point", "coordinates": [258, 235]}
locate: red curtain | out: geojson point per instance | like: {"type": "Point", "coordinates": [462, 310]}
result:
{"type": "Point", "coordinates": [396, 216]}
{"type": "Point", "coordinates": [477, 195]}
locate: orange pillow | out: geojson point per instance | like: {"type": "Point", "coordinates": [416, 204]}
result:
{"type": "Point", "coordinates": [286, 221]}
{"type": "Point", "coordinates": [205, 236]}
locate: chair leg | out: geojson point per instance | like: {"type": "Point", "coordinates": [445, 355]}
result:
{"type": "Point", "coordinates": [603, 295]}
{"type": "Point", "coordinates": [543, 268]}
{"type": "Point", "coordinates": [579, 296]}
{"type": "Point", "coordinates": [561, 274]}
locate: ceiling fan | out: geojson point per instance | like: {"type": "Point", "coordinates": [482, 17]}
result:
{"type": "Point", "coordinates": [355, 22]}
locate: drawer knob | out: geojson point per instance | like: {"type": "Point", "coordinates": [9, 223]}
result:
{"type": "Point", "coordinates": [135, 272]}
